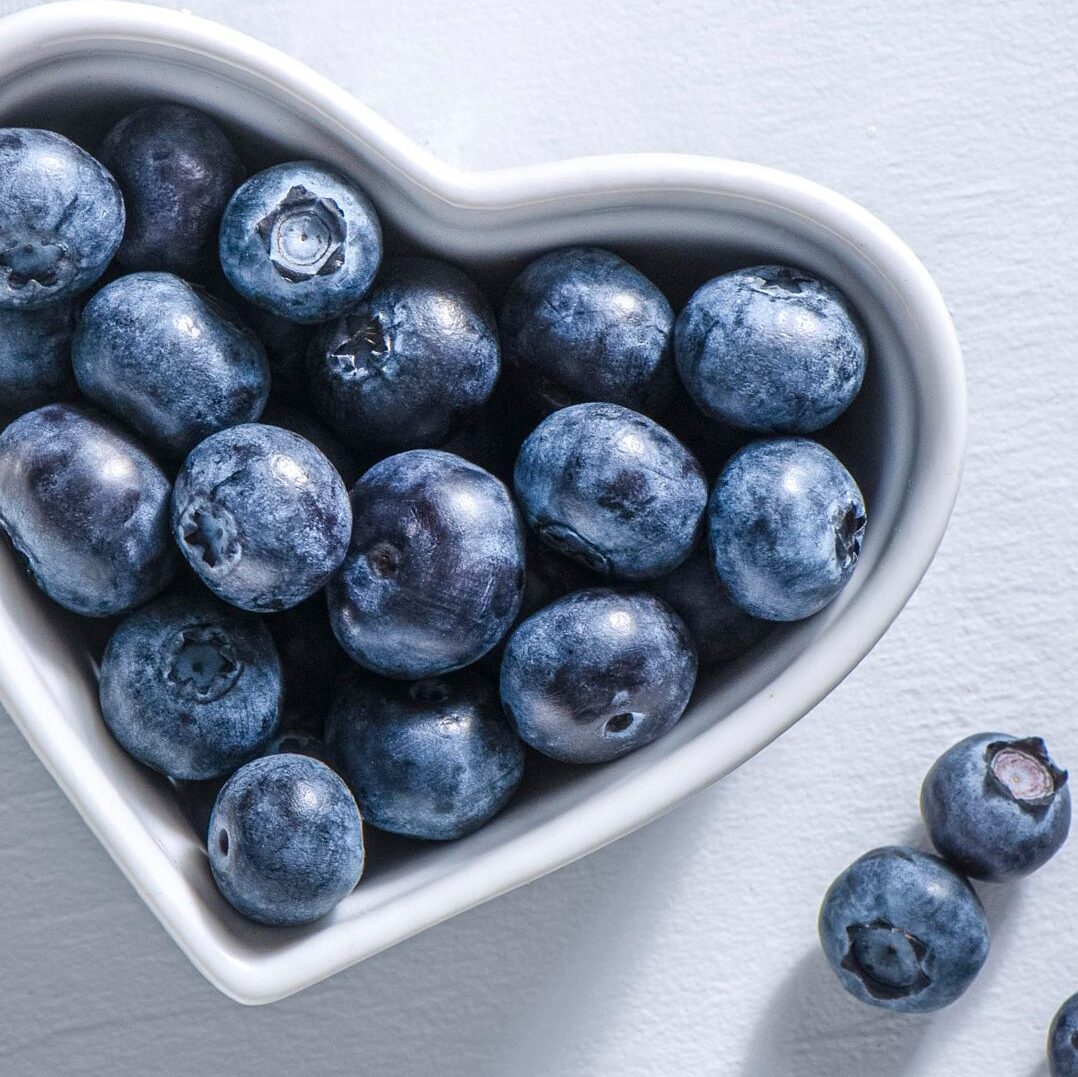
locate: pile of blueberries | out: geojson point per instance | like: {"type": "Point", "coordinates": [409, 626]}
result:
{"type": "Point", "coordinates": [360, 543]}
{"type": "Point", "coordinates": [904, 929]}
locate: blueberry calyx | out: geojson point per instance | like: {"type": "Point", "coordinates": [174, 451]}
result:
{"type": "Point", "coordinates": [431, 690]}
{"type": "Point", "coordinates": [886, 959]}
{"type": "Point", "coordinates": [849, 534]}
{"type": "Point", "coordinates": [210, 532]}
{"type": "Point", "coordinates": [203, 665]}
{"type": "Point", "coordinates": [779, 285]}
{"type": "Point", "coordinates": [364, 350]}
{"type": "Point", "coordinates": [304, 235]}
{"type": "Point", "coordinates": [565, 540]}
{"type": "Point", "coordinates": [36, 263]}
{"type": "Point", "coordinates": [1024, 771]}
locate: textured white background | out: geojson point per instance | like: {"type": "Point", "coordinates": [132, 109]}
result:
{"type": "Point", "coordinates": [689, 947]}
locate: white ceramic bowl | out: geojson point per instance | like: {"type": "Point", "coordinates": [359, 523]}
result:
{"type": "Point", "coordinates": [76, 67]}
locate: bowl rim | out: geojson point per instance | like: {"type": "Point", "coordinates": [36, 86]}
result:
{"type": "Point", "coordinates": [798, 688]}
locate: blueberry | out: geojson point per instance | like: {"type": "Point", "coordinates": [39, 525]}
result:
{"type": "Point", "coordinates": [311, 659]}
{"type": "Point", "coordinates": [261, 516]}
{"type": "Point", "coordinates": [770, 349]}
{"type": "Point", "coordinates": [903, 930]}
{"type": "Point", "coordinates": [299, 422]}
{"type": "Point", "coordinates": [597, 674]}
{"type": "Point", "coordinates": [301, 241]}
{"type": "Point", "coordinates": [581, 324]}
{"type": "Point", "coordinates": [35, 357]}
{"type": "Point", "coordinates": [608, 487]}
{"type": "Point", "coordinates": [1063, 1040]}
{"type": "Point", "coordinates": [720, 628]}
{"type": "Point", "coordinates": [996, 806]}
{"type": "Point", "coordinates": [435, 571]}
{"type": "Point", "coordinates": [170, 360]}
{"type": "Point", "coordinates": [786, 522]}
{"type": "Point", "coordinates": [87, 509]}
{"type": "Point", "coordinates": [410, 362]}
{"type": "Point", "coordinates": [177, 171]}
{"type": "Point", "coordinates": [190, 686]}
{"type": "Point", "coordinates": [61, 218]}
{"type": "Point", "coordinates": [430, 759]}
{"type": "Point", "coordinates": [285, 840]}
{"type": "Point", "coordinates": [299, 742]}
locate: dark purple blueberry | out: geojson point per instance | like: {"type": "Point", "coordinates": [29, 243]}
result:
{"type": "Point", "coordinates": [177, 171]}
{"type": "Point", "coordinates": [597, 675]}
{"type": "Point", "coordinates": [435, 571]}
{"type": "Point", "coordinates": [430, 759]}
{"type": "Point", "coordinates": [721, 629]}
{"type": "Point", "coordinates": [414, 359]}
{"type": "Point", "coordinates": [582, 324]}
{"type": "Point", "coordinates": [86, 508]}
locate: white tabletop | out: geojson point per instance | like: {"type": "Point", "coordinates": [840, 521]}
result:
{"type": "Point", "coordinates": [689, 947]}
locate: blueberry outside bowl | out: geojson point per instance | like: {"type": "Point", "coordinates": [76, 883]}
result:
{"type": "Point", "coordinates": [77, 67]}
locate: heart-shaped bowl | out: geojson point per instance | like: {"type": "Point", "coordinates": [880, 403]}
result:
{"type": "Point", "coordinates": [77, 67]}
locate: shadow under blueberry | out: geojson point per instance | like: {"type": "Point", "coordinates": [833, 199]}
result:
{"type": "Point", "coordinates": [813, 1028]}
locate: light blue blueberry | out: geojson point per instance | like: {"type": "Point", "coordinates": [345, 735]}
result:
{"type": "Point", "coordinates": [786, 521]}
{"type": "Point", "coordinates": [170, 360]}
{"type": "Point", "coordinates": [1063, 1040]}
{"type": "Point", "coordinates": [903, 930]}
{"type": "Point", "coordinates": [285, 840]}
{"type": "Point", "coordinates": [997, 807]}
{"type": "Point", "coordinates": [191, 687]}
{"type": "Point", "coordinates": [61, 218]}
{"type": "Point", "coordinates": [301, 241]}
{"type": "Point", "coordinates": [261, 516]}
{"type": "Point", "coordinates": [770, 349]}
{"type": "Point", "coordinates": [608, 487]}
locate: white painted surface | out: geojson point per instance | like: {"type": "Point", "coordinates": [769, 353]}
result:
{"type": "Point", "coordinates": [690, 946]}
